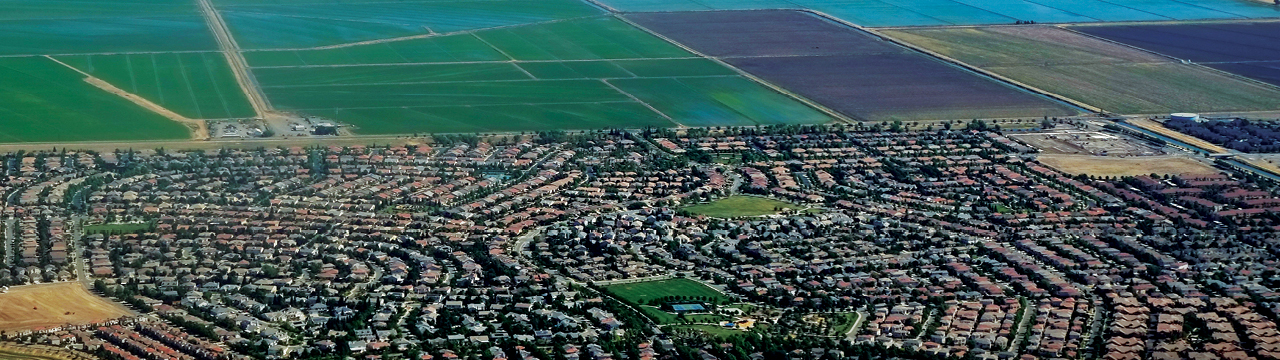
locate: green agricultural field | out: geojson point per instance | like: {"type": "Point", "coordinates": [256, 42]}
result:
{"type": "Point", "coordinates": [185, 31]}
{"type": "Point", "coordinates": [650, 291]}
{"type": "Point", "coordinates": [1111, 77]}
{"type": "Point", "coordinates": [443, 94]}
{"type": "Point", "coordinates": [587, 73]}
{"type": "Point", "coordinates": [441, 49]}
{"type": "Point", "coordinates": [583, 39]}
{"type": "Point", "coordinates": [195, 85]}
{"type": "Point", "coordinates": [720, 101]}
{"type": "Point", "coordinates": [388, 74]}
{"type": "Point", "coordinates": [518, 117]}
{"type": "Point", "coordinates": [80, 9]}
{"type": "Point", "coordinates": [272, 31]}
{"type": "Point", "coordinates": [47, 102]}
{"type": "Point", "coordinates": [735, 206]}
{"type": "Point", "coordinates": [274, 24]}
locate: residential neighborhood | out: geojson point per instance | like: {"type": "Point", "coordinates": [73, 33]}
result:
{"type": "Point", "coordinates": [884, 243]}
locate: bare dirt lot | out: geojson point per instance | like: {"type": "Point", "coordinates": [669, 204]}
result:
{"type": "Point", "coordinates": [1128, 166]}
{"type": "Point", "coordinates": [48, 305]}
{"type": "Point", "coordinates": [1087, 143]}
{"type": "Point", "coordinates": [15, 351]}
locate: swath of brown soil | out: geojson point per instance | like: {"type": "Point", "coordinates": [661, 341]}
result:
{"type": "Point", "coordinates": [56, 304]}
{"type": "Point", "coordinates": [1128, 166]}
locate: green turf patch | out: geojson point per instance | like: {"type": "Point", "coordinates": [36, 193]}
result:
{"type": "Point", "coordinates": [735, 206]}
{"type": "Point", "coordinates": [119, 228]}
{"type": "Point", "coordinates": [713, 330]}
{"type": "Point", "coordinates": [841, 322]}
{"type": "Point", "coordinates": [669, 290]}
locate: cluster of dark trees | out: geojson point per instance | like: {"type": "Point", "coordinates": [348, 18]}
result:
{"type": "Point", "coordinates": [1243, 135]}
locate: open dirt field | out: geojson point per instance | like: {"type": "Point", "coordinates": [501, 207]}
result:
{"type": "Point", "coordinates": [1129, 166]}
{"type": "Point", "coordinates": [13, 351]}
{"type": "Point", "coordinates": [1087, 143]}
{"type": "Point", "coordinates": [47, 305]}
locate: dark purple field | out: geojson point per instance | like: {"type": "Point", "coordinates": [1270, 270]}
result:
{"type": "Point", "coordinates": [1268, 72]}
{"type": "Point", "coordinates": [1199, 42]}
{"type": "Point", "coordinates": [880, 86]}
{"type": "Point", "coordinates": [1251, 50]}
{"type": "Point", "coordinates": [845, 69]}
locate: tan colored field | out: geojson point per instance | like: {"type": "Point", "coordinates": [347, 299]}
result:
{"type": "Point", "coordinates": [1128, 166]}
{"type": "Point", "coordinates": [48, 305]}
{"type": "Point", "coordinates": [1192, 140]}
{"type": "Point", "coordinates": [1100, 74]}
{"type": "Point", "coordinates": [12, 351]}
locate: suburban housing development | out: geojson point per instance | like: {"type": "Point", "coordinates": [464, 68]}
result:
{"type": "Point", "coordinates": [798, 242]}
{"type": "Point", "coordinates": [639, 179]}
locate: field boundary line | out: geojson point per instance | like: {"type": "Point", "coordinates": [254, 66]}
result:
{"type": "Point", "coordinates": [636, 99]}
{"type": "Point", "coordinates": [977, 70]}
{"type": "Point", "coordinates": [839, 117]}
{"type": "Point", "coordinates": [1252, 81]}
{"type": "Point", "coordinates": [199, 129]}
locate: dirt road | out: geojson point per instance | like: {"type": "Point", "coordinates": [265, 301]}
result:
{"type": "Point", "coordinates": [231, 50]}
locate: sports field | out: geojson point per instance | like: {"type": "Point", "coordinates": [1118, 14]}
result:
{"type": "Point", "coordinates": [595, 72]}
{"type": "Point", "coordinates": [735, 206]}
{"type": "Point", "coordinates": [650, 292]}
{"type": "Point", "coordinates": [846, 69]}
{"type": "Point", "coordinates": [55, 304]}
{"type": "Point", "coordinates": [1102, 74]}
{"type": "Point", "coordinates": [887, 13]}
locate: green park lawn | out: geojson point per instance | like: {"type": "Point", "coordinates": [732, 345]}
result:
{"type": "Point", "coordinates": [735, 206]}
{"type": "Point", "coordinates": [650, 291]}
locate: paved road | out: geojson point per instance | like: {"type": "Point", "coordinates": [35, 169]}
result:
{"type": "Point", "coordinates": [857, 323]}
